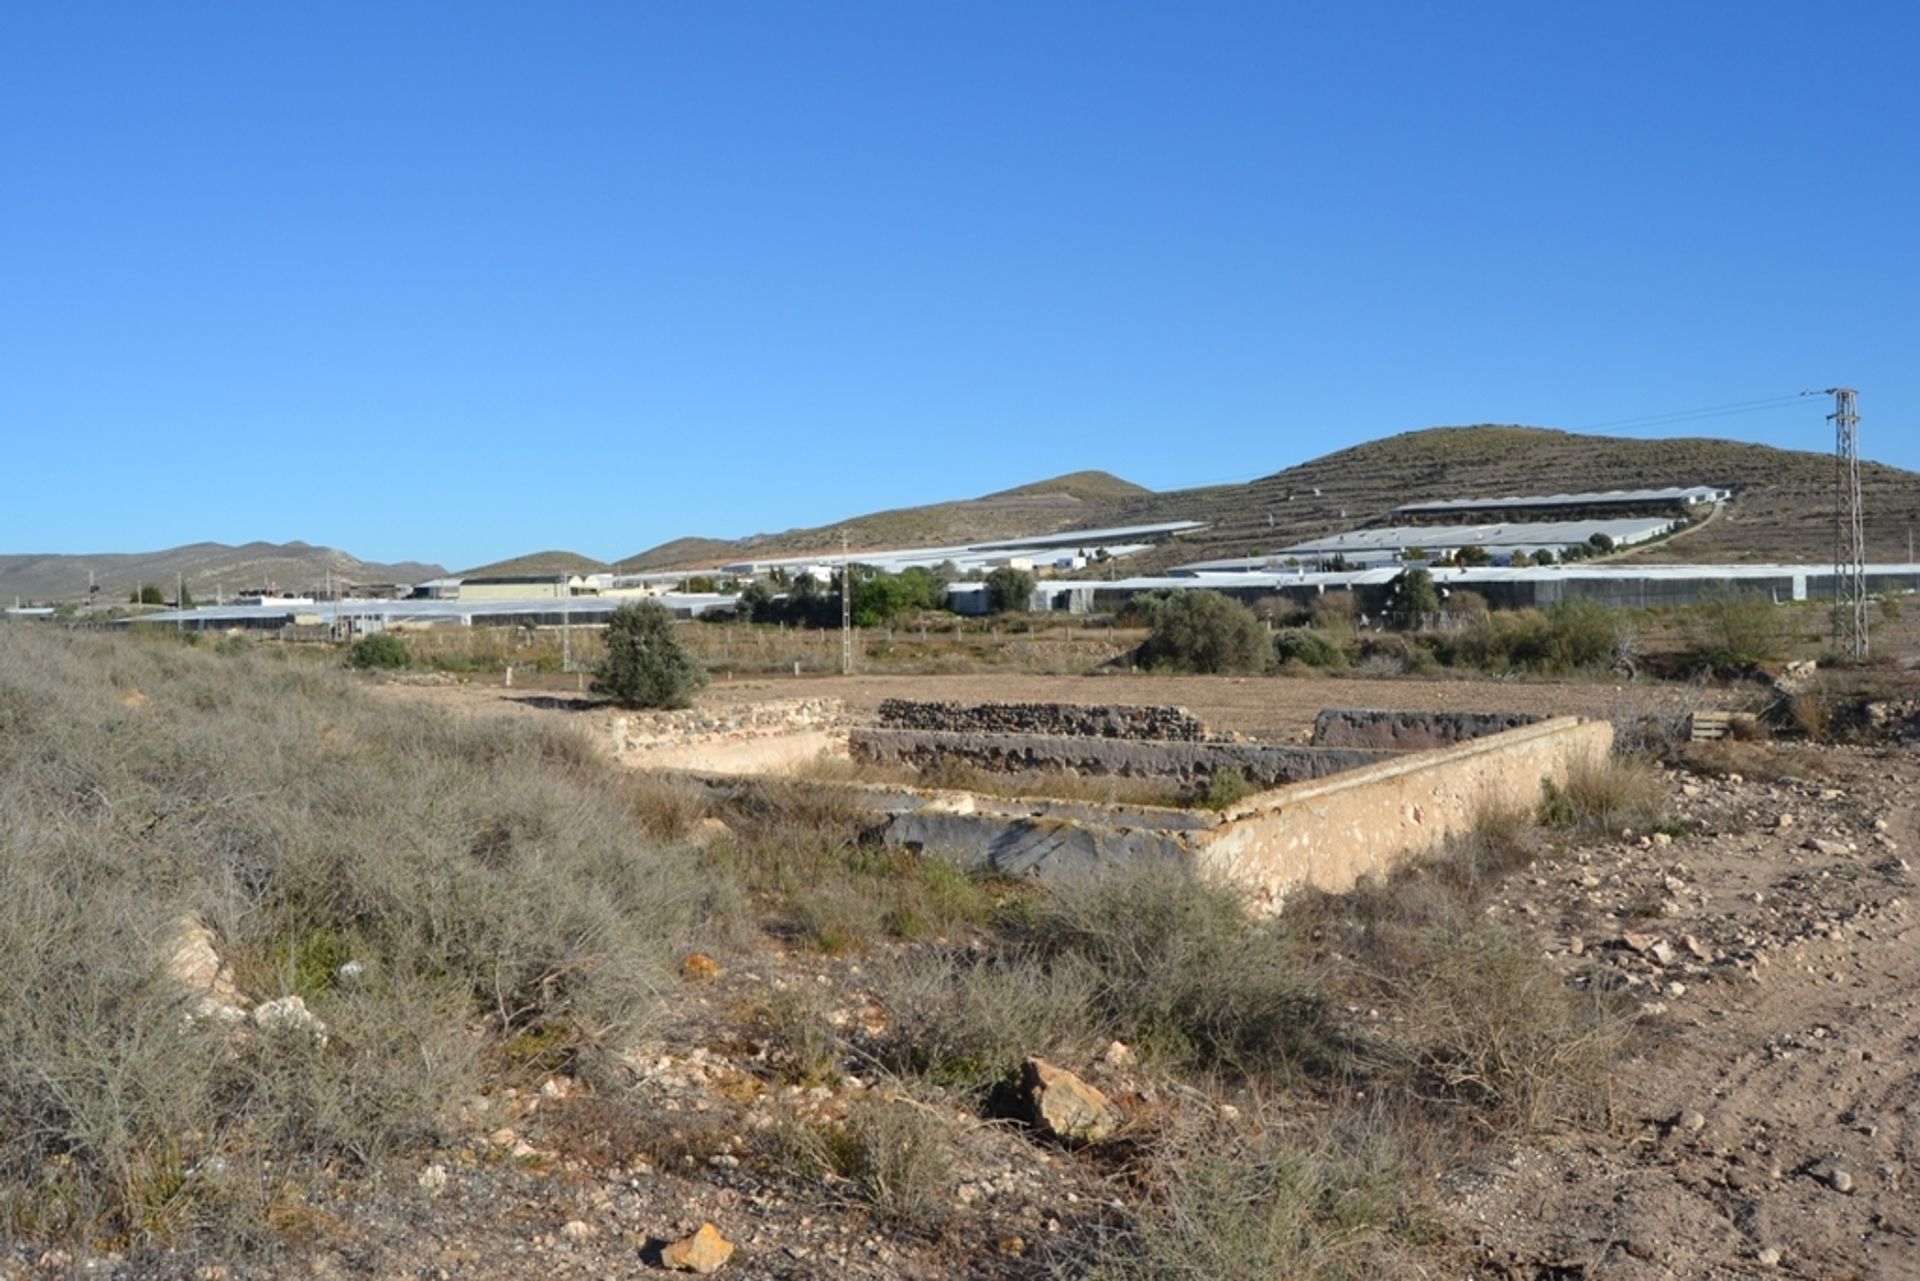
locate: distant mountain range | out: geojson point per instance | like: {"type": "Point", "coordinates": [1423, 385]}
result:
{"type": "Point", "coordinates": [1783, 511]}
{"type": "Point", "coordinates": [210, 569]}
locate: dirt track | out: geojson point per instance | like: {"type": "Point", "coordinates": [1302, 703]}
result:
{"type": "Point", "coordinates": [1777, 1107]}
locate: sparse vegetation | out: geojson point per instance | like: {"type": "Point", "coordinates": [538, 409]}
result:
{"type": "Point", "coordinates": [1734, 629]}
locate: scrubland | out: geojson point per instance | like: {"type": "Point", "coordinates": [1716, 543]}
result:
{"type": "Point", "coordinates": [477, 907]}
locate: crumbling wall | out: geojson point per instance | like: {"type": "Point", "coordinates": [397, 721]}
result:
{"type": "Point", "coordinates": [1189, 764]}
{"type": "Point", "coordinates": [1157, 724]}
{"type": "Point", "coordinates": [1410, 731]}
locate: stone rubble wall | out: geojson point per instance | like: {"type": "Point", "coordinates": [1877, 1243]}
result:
{"type": "Point", "coordinates": [1065, 720]}
{"type": "Point", "coordinates": [639, 731]}
{"type": "Point", "coordinates": [1190, 764]}
{"type": "Point", "coordinates": [1410, 731]}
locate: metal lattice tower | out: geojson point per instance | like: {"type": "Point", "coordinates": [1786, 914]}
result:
{"type": "Point", "coordinates": [1849, 533]}
{"type": "Point", "coordinates": [846, 608]}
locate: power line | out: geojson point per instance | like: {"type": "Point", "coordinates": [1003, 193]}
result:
{"type": "Point", "coordinates": [1708, 411]}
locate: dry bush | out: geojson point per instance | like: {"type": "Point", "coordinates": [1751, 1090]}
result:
{"type": "Point", "coordinates": [1256, 1198]}
{"type": "Point", "coordinates": [893, 1156]}
{"type": "Point", "coordinates": [1493, 1032]}
{"type": "Point", "coordinates": [1605, 795]}
{"type": "Point", "coordinates": [1812, 715]}
{"type": "Point", "coordinates": [1763, 762]}
{"type": "Point", "coordinates": [480, 872]}
{"type": "Point", "coordinates": [967, 1020]}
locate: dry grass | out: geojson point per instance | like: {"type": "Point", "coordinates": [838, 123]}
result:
{"type": "Point", "coordinates": [478, 871]}
{"type": "Point", "coordinates": [1606, 795]}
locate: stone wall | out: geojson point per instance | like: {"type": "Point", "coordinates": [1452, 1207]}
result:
{"type": "Point", "coordinates": [1410, 731]}
{"type": "Point", "coordinates": [1156, 724]}
{"type": "Point", "coordinates": [1188, 764]}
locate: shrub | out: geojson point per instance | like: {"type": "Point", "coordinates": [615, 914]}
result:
{"type": "Point", "coordinates": [1252, 1199]}
{"type": "Point", "coordinates": [1812, 715]}
{"type": "Point", "coordinates": [382, 650]}
{"type": "Point", "coordinates": [893, 1156]}
{"type": "Point", "coordinates": [1226, 787]}
{"type": "Point", "coordinates": [1339, 608]}
{"type": "Point", "coordinates": [1604, 794]}
{"type": "Point", "coordinates": [1496, 1032]}
{"type": "Point", "coordinates": [1009, 590]}
{"type": "Point", "coordinates": [1181, 972]}
{"type": "Point", "coordinates": [482, 872]}
{"type": "Point", "coordinates": [1203, 631]}
{"type": "Point", "coordinates": [1308, 645]}
{"type": "Point", "coordinates": [1734, 629]}
{"type": "Point", "coordinates": [645, 664]}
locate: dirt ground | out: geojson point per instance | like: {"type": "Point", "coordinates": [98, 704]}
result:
{"type": "Point", "coordinates": [1767, 1120]}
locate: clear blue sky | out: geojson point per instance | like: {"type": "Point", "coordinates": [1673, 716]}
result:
{"type": "Point", "coordinates": [461, 281]}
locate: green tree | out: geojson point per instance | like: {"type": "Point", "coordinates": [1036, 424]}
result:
{"type": "Point", "coordinates": [645, 664]}
{"type": "Point", "coordinates": [1203, 631]}
{"type": "Point", "coordinates": [1009, 590]}
{"type": "Point", "coordinates": [1412, 596]}
{"type": "Point", "coordinates": [756, 603]}
{"type": "Point", "coordinates": [146, 594]}
{"type": "Point", "coordinates": [186, 598]}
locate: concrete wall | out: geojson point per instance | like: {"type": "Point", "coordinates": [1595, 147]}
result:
{"type": "Point", "coordinates": [1189, 764]}
{"type": "Point", "coordinates": [1331, 833]}
{"type": "Point", "coordinates": [1165, 724]}
{"type": "Point", "coordinates": [1327, 833]}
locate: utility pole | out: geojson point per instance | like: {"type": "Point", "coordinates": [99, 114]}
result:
{"type": "Point", "coordinates": [846, 607]}
{"type": "Point", "coordinates": [1849, 533]}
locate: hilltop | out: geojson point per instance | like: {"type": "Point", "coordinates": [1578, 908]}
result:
{"type": "Point", "coordinates": [1062, 502]}
{"type": "Point", "coordinates": [1783, 508]}
{"type": "Point", "coordinates": [209, 568]}
{"type": "Point", "coordinates": [548, 562]}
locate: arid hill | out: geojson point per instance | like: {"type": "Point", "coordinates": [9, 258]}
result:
{"type": "Point", "coordinates": [209, 569]}
{"type": "Point", "coordinates": [1784, 507]}
{"type": "Point", "coordinates": [1079, 499]}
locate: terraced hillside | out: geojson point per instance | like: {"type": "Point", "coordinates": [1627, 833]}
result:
{"type": "Point", "coordinates": [1783, 508]}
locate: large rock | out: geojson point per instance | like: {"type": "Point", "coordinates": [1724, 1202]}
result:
{"type": "Point", "coordinates": [1064, 1106]}
{"type": "Point", "coordinates": [703, 1252]}
{"type": "Point", "coordinates": [196, 967]}
{"type": "Point", "coordinates": [289, 1016]}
